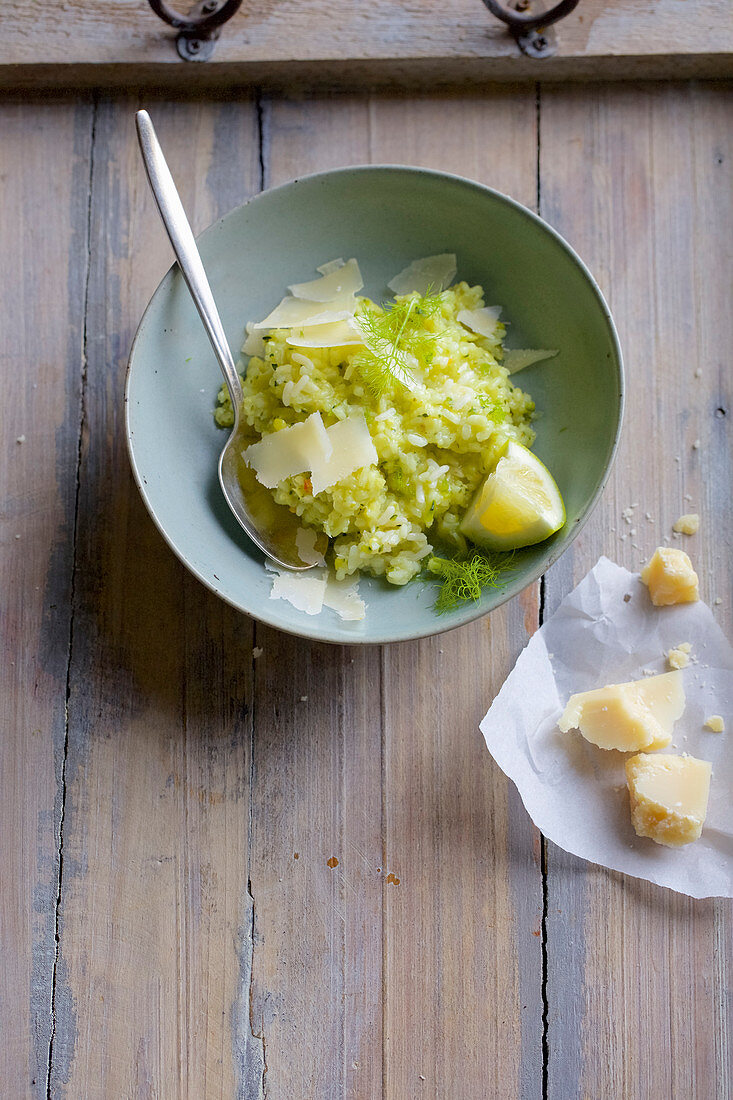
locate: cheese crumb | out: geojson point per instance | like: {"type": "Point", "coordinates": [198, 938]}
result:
{"type": "Point", "coordinates": [669, 797]}
{"type": "Point", "coordinates": [20, 439]}
{"type": "Point", "coordinates": [688, 524]}
{"type": "Point", "coordinates": [715, 723]}
{"type": "Point", "coordinates": [670, 577]}
{"type": "Point", "coordinates": [257, 652]}
{"type": "Point", "coordinates": [679, 656]}
{"type": "Point", "coordinates": [696, 445]}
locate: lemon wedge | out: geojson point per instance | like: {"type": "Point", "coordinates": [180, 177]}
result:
{"type": "Point", "coordinates": [519, 504]}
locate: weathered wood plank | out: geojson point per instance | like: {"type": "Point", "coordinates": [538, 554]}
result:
{"type": "Point", "coordinates": [268, 43]}
{"type": "Point", "coordinates": [446, 980]}
{"type": "Point", "coordinates": [639, 180]}
{"type": "Point", "coordinates": [155, 917]}
{"type": "Point", "coordinates": [43, 227]}
{"type": "Point", "coordinates": [317, 971]}
{"type": "Point", "coordinates": [462, 944]}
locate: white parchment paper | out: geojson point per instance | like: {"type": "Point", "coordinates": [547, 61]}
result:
{"type": "Point", "coordinates": [575, 792]}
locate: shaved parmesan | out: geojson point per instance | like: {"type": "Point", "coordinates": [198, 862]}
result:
{"type": "Point", "coordinates": [305, 544]}
{"type": "Point", "coordinates": [305, 591]}
{"type": "Point", "coordinates": [336, 334]}
{"type": "Point", "coordinates": [343, 597]}
{"type": "Point", "coordinates": [352, 449]}
{"type": "Point", "coordinates": [329, 455]}
{"type": "Point", "coordinates": [483, 321]}
{"type": "Point", "coordinates": [431, 274]}
{"type": "Point", "coordinates": [332, 265]}
{"type": "Point", "coordinates": [346, 279]}
{"type": "Point", "coordinates": [518, 358]}
{"type": "Point", "coordinates": [314, 590]}
{"type": "Point", "coordinates": [255, 343]}
{"type": "Point", "coordinates": [292, 312]}
{"type": "Point", "coordinates": [290, 451]}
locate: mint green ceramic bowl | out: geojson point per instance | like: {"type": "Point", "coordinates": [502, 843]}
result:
{"type": "Point", "coordinates": [386, 217]}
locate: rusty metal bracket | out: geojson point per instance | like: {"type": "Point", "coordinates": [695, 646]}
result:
{"type": "Point", "coordinates": [531, 29]}
{"type": "Point", "coordinates": [199, 30]}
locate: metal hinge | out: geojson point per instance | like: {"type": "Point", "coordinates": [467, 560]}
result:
{"type": "Point", "coordinates": [531, 28]}
{"type": "Point", "coordinates": [199, 30]}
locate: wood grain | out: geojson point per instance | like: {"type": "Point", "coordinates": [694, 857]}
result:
{"type": "Point", "coordinates": [43, 227]}
{"type": "Point", "coordinates": [197, 956]}
{"type": "Point", "coordinates": [462, 952]}
{"type": "Point", "coordinates": [269, 43]}
{"type": "Point", "coordinates": [155, 918]}
{"type": "Point", "coordinates": [317, 798]}
{"type": "Point", "coordinates": [639, 180]}
{"type": "Point", "coordinates": [438, 888]}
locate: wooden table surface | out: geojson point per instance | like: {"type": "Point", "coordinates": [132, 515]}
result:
{"type": "Point", "coordinates": [173, 920]}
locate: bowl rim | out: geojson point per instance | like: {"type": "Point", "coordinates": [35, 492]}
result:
{"type": "Point", "coordinates": [471, 612]}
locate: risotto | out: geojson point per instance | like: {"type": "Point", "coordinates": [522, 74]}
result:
{"type": "Point", "coordinates": [437, 425]}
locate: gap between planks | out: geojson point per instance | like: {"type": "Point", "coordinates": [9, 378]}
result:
{"type": "Point", "coordinates": [80, 431]}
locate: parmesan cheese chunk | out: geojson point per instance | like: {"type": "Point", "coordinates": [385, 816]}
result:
{"type": "Point", "coordinates": [298, 313]}
{"type": "Point", "coordinates": [352, 448]}
{"type": "Point", "coordinates": [336, 334]}
{"type": "Point", "coordinates": [482, 321]}
{"type": "Point", "coordinates": [431, 274]}
{"type": "Point", "coordinates": [715, 723]}
{"type": "Point", "coordinates": [669, 797]}
{"type": "Point", "coordinates": [290, 451]}
{"type": "Point", "coordinates": [516, 359]}
{"type": "Point", "coordinates": [631, 716]}
{"type": "Point", "coordinates": [345, 279]}
{"type": "Point", "coordinates": [688, 524]}
{"type": "Point", "coordinates": [670, 577]}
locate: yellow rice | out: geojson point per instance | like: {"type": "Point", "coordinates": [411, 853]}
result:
{"type": "Point", "coordinates": [436, 439]}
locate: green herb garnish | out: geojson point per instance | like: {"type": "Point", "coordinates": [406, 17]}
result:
{"type": "Point", "coordinates": [395, 336]}
{"type": "Point", "coordinates": [465, 577]}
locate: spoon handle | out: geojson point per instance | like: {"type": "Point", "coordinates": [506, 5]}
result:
{"type": "Point", "coordinates": [187, 254]}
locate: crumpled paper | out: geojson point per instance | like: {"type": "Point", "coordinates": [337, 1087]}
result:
{"type": "Point", "coordinates": [576, 793]}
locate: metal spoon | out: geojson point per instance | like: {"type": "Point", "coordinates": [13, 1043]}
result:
{"type": "Point", "coordinates": [274, 528]}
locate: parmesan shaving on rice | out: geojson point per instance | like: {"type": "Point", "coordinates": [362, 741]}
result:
{"type": "Point", "coordinates": [344, 279]}
{"type": "Point", "coordinates": [516, 359]}
{"type": "Point", "coordinates": [429, 275]}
